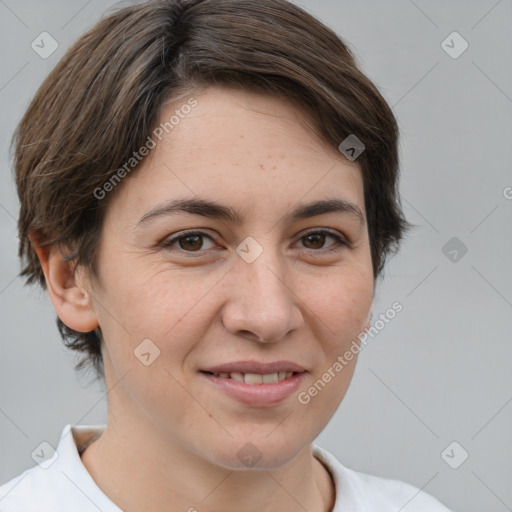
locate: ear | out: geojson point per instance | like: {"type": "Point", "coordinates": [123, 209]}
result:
{"type": "Point", "coordinates": [72, 302]}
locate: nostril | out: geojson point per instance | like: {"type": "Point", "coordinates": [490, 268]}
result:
{"type": "Point", "coordinates": [250, 335]}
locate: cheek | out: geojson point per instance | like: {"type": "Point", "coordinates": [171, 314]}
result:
{"type": "Point", "coordinates": [339, 308]}
{"type": "Point", "coordinates": [343, 303]}
{"type": "Point", "coordinates": [158, 303]}
{"type": "Point", "coordinates": [319, 400]}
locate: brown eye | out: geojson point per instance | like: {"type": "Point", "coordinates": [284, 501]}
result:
{"type": "Point", "coordinates": [188, 242]}
{"type": "Point", "coordinates": [316, 239]}
{"type": "Point", "coordinates": [191, 242]}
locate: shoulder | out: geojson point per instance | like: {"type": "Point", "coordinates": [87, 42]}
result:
{"type": "Point", "coordinates": [59, 483]}
{"type": "Point", "coordinates": [30, 489]}
{"type": "Point", "coordinates": [361, 492]}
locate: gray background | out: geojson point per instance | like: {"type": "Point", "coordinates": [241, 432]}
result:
{"type": "Point", "coordinates": [440, 371]}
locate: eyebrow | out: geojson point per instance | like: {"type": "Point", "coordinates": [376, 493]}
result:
{"type": "Point", "coordinates": [215, 210]}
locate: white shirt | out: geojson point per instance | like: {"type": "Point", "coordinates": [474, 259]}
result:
{"type": "Point", "coordinates": [62, 484]}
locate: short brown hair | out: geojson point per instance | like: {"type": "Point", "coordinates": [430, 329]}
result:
{"type": "Point", "coordinates": [102, 99]}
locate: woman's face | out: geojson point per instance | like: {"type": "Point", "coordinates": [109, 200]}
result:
{"type": "Point", "coordinates": [249, 279]}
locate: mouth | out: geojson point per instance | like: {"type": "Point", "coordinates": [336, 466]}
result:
{"type": "Point", "coordinates": [256, 384]}
{"type": "Point", "coordinates": [253, 378]}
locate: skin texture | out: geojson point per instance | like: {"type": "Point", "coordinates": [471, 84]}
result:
{"type": "Point", "coordinates": [172, 437]}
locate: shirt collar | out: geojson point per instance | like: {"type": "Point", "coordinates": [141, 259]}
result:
{"type": "Point", "coordinates": [69, 464]}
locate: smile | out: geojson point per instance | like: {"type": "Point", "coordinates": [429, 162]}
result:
{"type": "Point", "coordinates": [256, 384]}
{"type": "Point", "coordinates": [254, 378]}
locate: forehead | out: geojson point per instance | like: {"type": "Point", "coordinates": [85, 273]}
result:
{"type": "Point", "coordinates": [243, 149]}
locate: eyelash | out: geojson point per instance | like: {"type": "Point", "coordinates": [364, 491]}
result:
{"type": "Point", "coordinates": [168, 244]}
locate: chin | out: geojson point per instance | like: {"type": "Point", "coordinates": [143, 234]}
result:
{"type": "Point", "coordinates": [259, 453]}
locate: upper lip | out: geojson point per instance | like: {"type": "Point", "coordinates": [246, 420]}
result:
{"type": "Point", "coordinates": [255, 367]}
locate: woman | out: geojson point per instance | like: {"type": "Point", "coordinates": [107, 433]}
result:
{"type": "Point", "coordinates": [208, 192]}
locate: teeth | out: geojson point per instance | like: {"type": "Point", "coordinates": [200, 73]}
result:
{"type": "Point", "coordinates": [253, 378]}
{"type": "Point", "coordinates": [256, 378]}
{"type": "Point", "coordinates": [270, 378]}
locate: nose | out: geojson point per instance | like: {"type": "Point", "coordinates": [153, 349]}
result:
{"type": "Point", "coordinates": [262, 304]}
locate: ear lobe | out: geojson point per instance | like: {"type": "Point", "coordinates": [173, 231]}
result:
{"type": "Point", "coordinates": [73, 304]}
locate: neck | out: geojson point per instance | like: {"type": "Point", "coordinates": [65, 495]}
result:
{"type": "Point", "coordinates": [139, 468]}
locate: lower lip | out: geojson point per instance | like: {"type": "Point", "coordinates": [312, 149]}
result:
{"type": "Point", "coordinates": [258, 394]}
